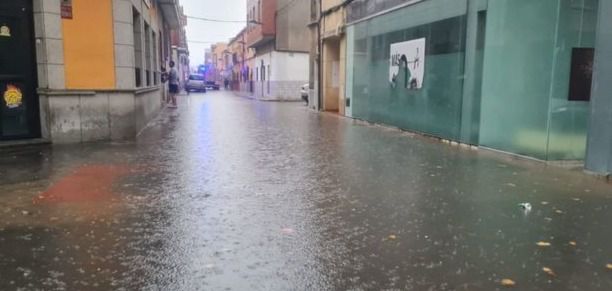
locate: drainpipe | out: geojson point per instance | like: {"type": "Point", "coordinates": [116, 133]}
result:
{"type": "Point", "coordinates": [320, 58]}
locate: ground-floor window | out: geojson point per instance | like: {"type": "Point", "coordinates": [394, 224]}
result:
{"type": "Point", "coordinates": [137, 29]}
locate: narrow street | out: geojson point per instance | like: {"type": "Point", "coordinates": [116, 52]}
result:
{"type": "Point", "coordinates": [228, 193]}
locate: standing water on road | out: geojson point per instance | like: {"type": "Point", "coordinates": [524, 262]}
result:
{"type": "Point", "coordinates": [227, 193]}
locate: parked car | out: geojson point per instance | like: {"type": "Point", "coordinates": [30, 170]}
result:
{"type": "Point", "coordinates": [195, 83]}
{"type": "Point", "coordinates": [304, 92]}
{"type": "Point", "coordinates": [212, 85]}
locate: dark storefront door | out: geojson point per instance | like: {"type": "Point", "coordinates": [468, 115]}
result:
{"type": "Point", "coordinates": [19, 116]}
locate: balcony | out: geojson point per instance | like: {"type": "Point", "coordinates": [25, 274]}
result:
{"type": "Point", "coordinates": [171, 12]}
{"type": "Point", "coordinates": [259, 35]}
{"type": "Point", "coordinates": [262, 26]}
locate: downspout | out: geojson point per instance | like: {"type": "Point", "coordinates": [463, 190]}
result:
{"type": "Point", "coordinates": [319, 58]}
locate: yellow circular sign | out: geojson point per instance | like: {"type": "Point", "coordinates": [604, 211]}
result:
{"type": "Point", "coordinates": [12, 96]}
{"type": "Point", "coordinates": [5, 31]}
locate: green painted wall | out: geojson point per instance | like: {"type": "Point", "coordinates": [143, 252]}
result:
{"type": "Point", "coordinates": [436, 108]}
{"type": "Point", "coordinates": [350, 61]}
{"type": "Point", "coordinates": [526, 77]}
{"type": "Point", "coordinates": [599, 145]}
{"type": "Point", "coordinates": [569, 119]}
{"type": "Point", "coordinates": [496, 73]}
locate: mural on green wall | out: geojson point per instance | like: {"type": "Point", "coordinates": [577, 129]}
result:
{"type": "Point", "coordinates": [435, 108]}
{"type": "Point", "coordinates": [407, 64]}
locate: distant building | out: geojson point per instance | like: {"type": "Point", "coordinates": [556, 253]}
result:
{"type": "Point", "coordinates": [242, 58]}
{"type": "Point", "coordinates": [278, 32]}
{"type": "Point", "coordinates": [221, 63]}
{"type": "Point", "coordinates": [207, 56]}
{"type": "Point", "coordinates": [180, 50]}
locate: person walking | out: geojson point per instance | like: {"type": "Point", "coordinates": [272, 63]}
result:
{"type": "Point", "coordinates": [173, 84]}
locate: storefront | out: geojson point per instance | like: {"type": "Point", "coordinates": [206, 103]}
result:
{"type": "Point", "coordinates": [19, 113]}
{"type": "Point", "coordinates": [511, 75]}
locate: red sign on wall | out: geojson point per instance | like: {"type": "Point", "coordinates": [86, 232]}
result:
{"type": "Point", "coordinates": [67, 9]}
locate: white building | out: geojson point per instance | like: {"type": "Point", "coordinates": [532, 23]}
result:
{"type": "Point", "coordinates": [279, 34]}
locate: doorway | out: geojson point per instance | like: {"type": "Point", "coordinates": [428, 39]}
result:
{"type": "Point", "coordinates": [331, 73]}
{"type": "Point", "coordinates": [19, 112]}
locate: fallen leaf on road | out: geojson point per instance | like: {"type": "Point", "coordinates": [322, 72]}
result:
{"type": "Point", "coordinates": [508, 283]}
{"type": "Point", "coordinates": [572, 243]}
{"type": "Point", "coordinates": [392, 237]}
{"type": "Point", "coordinates": [544, 202]}
{"type": "Point", "coordinates": [549, 271]}
{"type": "Point", "coordinates": [543, 244]}
{"type": "Point", "coordinates": [558, 211]}
{"type": "Point", "coordinates": [609, 266]}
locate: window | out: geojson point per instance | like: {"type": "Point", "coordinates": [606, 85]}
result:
{"type": "Point", "coordinates": [154, 59]}
{"type": "Point", "coordinates": [263, 72]}
{"type": "Point", "coordinates": [196, 77]}
{"type": "Point", "coordinates": [256, 74]}
{"type": "Point", "coordinates": [137, 47]}
{"type": "Point", "coordinates": [147, 50]}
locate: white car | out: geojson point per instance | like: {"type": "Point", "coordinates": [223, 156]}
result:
{"type": "Point", "coordinates": [195, 83]}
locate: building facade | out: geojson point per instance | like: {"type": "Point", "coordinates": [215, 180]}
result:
{"type": "Point", "coordinates": [328, 56]}
{"type": "Point", "coordinates": [314, 78]}
{"type": "Point", "coordinates": [509, 75]}
{"type": "Point", "coordinates": [278, 33]}
{"type": "Point", "coordinates": [77, 71]}
{"type": "Point", "coordinates": [333, 55]}
{"type": "Point", "coordinates": [180, 50]}
{"type": "Point", "coordinates": [242, 59]}
{"type": "Point", "coordinates": [221, 66]}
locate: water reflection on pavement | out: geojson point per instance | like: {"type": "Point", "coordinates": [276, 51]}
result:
{"type": "Point", "coordinates": [227, 193]}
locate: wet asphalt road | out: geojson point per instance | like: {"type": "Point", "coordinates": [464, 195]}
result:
{"type": "Point", "coordinates": [227, 193]}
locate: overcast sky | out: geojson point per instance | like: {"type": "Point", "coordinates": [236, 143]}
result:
{"type": "Point", "coordinates": [211, 31]}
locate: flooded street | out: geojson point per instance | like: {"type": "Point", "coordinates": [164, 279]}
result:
{"type": "Point", "coordinates": [227, 193]}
